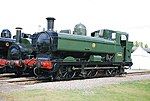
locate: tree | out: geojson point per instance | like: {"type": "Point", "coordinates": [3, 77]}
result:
{"type": "Point", "coordinates": [141, 44]}
{"type": "Point", "coordinates": [146, 46]}
{"type": "Point", "coordinates": [136, 44]}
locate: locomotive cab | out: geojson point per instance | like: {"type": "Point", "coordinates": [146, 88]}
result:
{"type": "Point", "coordinates": [123, 46]}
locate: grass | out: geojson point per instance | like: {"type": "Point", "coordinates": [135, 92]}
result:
{"type": "Point", "coordinates": [127, 91]}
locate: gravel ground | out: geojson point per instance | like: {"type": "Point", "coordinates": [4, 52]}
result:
{"type": "Point", "coordinates": [87, 83]}
{"type": "Point", "coordinates": [6, 87]}
{"type": "Point", "coordinates": [9, 87]}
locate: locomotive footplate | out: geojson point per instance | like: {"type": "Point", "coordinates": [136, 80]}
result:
{"type": "Point", "coordinates": [94, 65]}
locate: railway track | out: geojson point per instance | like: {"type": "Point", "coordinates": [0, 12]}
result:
{"type": "Point", "coordinates": [26, 80]}
{"type": "Point", "coordinates": [7, 76]}
{"type": "Point", "coordinates": [138, 73]}
{"type": "Point", "coordinates": [11, 78]}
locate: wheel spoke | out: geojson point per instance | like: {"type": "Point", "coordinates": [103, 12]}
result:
{"type": "Point", "coordinates": [65, 73]}
{"type": "Point", "coordinates": [111, 72]}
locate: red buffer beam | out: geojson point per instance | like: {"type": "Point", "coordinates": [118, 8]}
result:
{"type": "Point", "coordinates": [31, 63]}
{"type": "Point", "coordinates": [38, 63]}
{"type": "Point", "coordinates": [4, 62]}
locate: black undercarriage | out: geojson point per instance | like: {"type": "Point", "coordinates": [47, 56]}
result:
{"type": "Point", "coordinates": [76, 70]}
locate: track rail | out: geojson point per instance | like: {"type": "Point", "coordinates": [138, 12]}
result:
{"type": "Point", "coordinates": [11, 78]}
{"type": "Point", "coordinates": [138, 73]}
{"type": "Point", "coordinates": [25, 82]}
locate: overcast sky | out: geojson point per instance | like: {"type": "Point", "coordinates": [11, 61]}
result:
{"type": "Point", "coordinates": [130, 16]}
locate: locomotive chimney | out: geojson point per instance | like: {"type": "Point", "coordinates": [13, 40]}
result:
{"type": "Point", "coordinates": [50, 23]}
{"type": "Point", "coordinates": [18, 35]}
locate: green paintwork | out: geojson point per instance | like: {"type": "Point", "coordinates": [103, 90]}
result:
{"type": "Point", "coordinates": [118, 54]}
{"type": "Point", "coordinates": [26, 44]}
{"type": "Point", "coordinates": [105, 44]}
{"type": "Point", "coordinates": [69, 59]}
{"type": "Point", "coordinates": [95, 58]}
{"type": "Point", "coordinates": [128, 51]}
{"type": "Point", "coordinates": [1, 70]}
{"type": "Point", "coordinates": [85, 44]}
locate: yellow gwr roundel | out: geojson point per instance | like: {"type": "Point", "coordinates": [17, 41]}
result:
{"type": "Point", "coordinates": [93, 45]}
{"type": "Point", "coordinates": [7, 44]}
